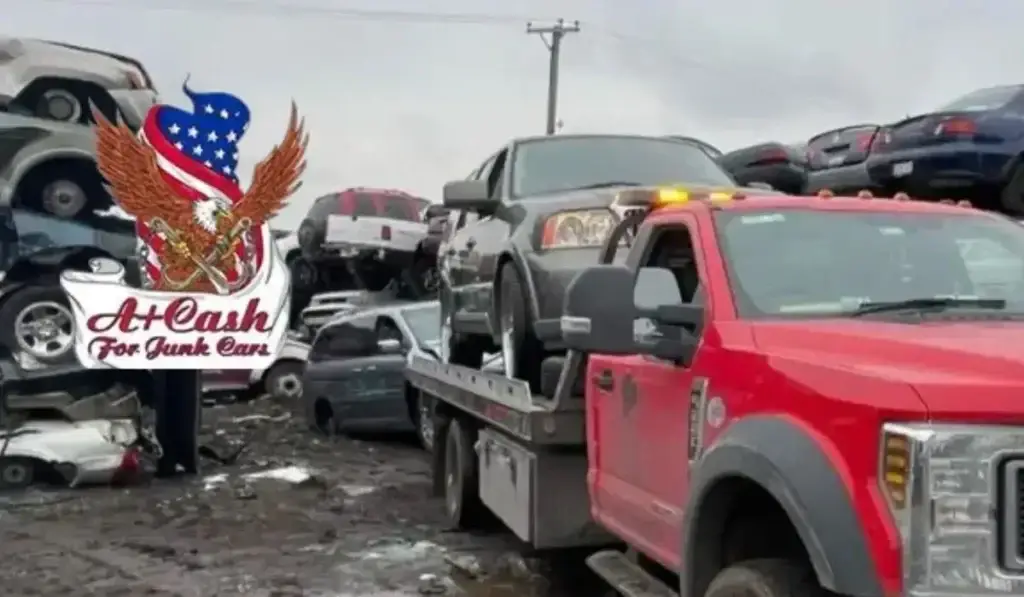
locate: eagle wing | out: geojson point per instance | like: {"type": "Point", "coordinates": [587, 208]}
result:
{"type": "Point", "coordinates": [276, 177]}
{"type": "Point", "coordinates": [133, 176]}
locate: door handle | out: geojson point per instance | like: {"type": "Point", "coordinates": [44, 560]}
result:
{"type": "Point", "coordinates": [605, 380]}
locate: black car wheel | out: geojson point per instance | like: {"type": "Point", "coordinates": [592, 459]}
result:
{"type": "Point", "coordinates": [16, 472]}
{"type": "Point", "coordinates": [459, 349]}
{"type": "Point", "coordinates": [37, 321]}
{"type": "Point", "coordinates": [461, 485]}
{"type": "Point", "coordinates": [522, 352]}
{"type": "Point", "coordinates": [64, 198]}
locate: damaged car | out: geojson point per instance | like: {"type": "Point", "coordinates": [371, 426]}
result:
{"type": "Point", "coordinates": [363, 239]}
{"type": "Point", "coordinates": [48, 91]}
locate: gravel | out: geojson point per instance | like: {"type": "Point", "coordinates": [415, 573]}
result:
{"type": "Point", "coordinates": [294, 514]}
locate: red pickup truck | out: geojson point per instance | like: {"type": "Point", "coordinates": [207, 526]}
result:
{"type": "Point", "coordinates": [767, 397]}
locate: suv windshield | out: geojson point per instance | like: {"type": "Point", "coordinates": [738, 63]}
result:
{"type": "Point", "coordinates": [794, 262]}
{"type": "Point", "coordinates": [558, 164]}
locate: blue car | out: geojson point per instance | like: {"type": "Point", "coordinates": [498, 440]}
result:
{"type": "Point", "coordinates": [968, 149]}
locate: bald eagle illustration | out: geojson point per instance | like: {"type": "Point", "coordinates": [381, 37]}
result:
{"type": "Point", "coordinates": [138, 185]}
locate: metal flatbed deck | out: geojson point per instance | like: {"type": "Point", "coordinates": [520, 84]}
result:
{"type": "Point", "coordinates": [505, 403]}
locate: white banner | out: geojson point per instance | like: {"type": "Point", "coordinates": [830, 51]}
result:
{"type": "Point", "coordinates": [120, 327]}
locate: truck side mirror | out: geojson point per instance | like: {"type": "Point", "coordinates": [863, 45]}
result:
{"type": "Point", "coordinates": [468, 195]}
{"type": "Point", "coordinates": [598, 311]}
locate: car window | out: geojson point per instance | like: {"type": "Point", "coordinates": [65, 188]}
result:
{"type": "Point", "coordinates": [352, 338]}
{"type": "Point", "coordinates": [554, 164]}
{"type": "Point", "coordinates": [388, 329]}
{"type": "Point", "coordinates": [424, 321]}
{"type": "Point", "coordinates": [795, 263]}
{"type": "Point", "coordinates": [363, 204]}
{"type": "Point", "coordinates": [37, 231]}
{"type": "Point", "coordinates": [324, 206]}
{"type": "Point", "coordinates": [990, 98]}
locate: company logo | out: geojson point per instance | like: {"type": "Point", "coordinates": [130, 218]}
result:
{"type": "Point", "coordinates": [215, 292]}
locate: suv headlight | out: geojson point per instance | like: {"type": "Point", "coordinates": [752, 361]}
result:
{"type": "Point", "coordinates": [944, 487]}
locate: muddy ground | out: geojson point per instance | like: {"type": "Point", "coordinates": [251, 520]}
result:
{"type": "Point", "coordinates": [295, 514]}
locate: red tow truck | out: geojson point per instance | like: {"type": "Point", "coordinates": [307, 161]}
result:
{"type": "Point", "coordinates": [766, 396]}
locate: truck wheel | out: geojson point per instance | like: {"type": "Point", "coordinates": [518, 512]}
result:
{"type": "Point", "coordinates": [520, 349]}
{"type": "Point", "coordinates": [461, 485]}
{"type": "Point", "coordinates": [38, 322]}
{"type": "Point", "coordinates": [765, 578]}
{"type": "Point", "coordinates": [1012, 196]}
{"type": "Point", "coordinates": [424, 420]}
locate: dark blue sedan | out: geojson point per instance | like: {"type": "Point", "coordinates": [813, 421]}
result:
{"type": "Point", "coordinates": [968, 149]}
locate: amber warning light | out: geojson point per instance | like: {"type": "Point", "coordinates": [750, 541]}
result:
{"type": "Point", "coordinates": [666, 197]}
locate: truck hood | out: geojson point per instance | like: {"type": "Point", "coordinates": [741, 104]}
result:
{"type": "Point", "coordinates": [961, 370]}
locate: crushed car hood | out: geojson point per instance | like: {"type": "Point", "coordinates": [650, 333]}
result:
{"type": "Point", "coordinates": [961, 370]}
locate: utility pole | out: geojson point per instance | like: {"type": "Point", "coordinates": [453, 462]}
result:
{"type": "Point", "coordinates": [557, 32]}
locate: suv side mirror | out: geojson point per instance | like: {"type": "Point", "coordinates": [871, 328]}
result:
{"type": "Point", "coordinates": [468, 195]}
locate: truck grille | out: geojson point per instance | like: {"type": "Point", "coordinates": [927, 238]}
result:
{"type": "Point", "coordinates": [1011, 508]}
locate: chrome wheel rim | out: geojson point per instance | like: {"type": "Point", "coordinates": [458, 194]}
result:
{"type": "Point", "coordinates": [63, 198]}
{"type": "Point", "coordinates": [45, 330]}
{"type": "Point", "coordinates": [288, 385]}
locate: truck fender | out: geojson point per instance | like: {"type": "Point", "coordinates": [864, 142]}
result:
{"type": "Point", "coordinates": [788, 463]}
{"type": "Point", "coordinates": [510, 253]}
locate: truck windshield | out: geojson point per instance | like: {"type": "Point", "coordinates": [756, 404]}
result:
{"type": "Point", "coordinates": [555, 164]}
{"type": "Point", "coordinates": [799, 263]}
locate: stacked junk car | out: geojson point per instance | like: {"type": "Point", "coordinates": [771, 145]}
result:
{"type": "Point", "coordinates": [60, 420]}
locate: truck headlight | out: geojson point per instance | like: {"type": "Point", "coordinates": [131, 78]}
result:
{"type": "Point", "coordinates": [577, 229]}
{"type": "Point", "coordinates": [942, 484]}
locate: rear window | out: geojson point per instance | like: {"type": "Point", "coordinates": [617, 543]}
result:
{"type": "Point", "coordinates": [840, 136]}
{"type": "Point", "coordinates": [984, 99]}
{"type": "Point", "coordinates": [380, 204]}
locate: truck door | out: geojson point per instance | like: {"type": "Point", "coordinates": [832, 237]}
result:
{"type": "Point", "coordinates": [641, 415]}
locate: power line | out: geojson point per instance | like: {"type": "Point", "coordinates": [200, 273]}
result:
{"type": "Point", "coordinates": [557, 32]}
{"type": "Point", "coordinates": [289, 10]}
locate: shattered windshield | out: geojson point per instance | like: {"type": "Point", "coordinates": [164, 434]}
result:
{"type": "Point", "coordinates": [795, 262]}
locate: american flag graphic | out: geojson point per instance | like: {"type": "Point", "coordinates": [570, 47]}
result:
{"type": "Point", "coordinates": [197, 152]}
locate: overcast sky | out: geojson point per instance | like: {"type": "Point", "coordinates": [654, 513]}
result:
{"type": "Point", "coordinates": [411, 105]}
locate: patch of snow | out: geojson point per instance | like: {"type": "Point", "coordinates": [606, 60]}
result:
{"type": "Point", "coordinates": [213, 481]}
{"type": "Point", "coordinates": [400, 552]}
{"type": "Point", "coordinates": [288, 474]}
{"type": "Point", "coordinates": [357, 490]}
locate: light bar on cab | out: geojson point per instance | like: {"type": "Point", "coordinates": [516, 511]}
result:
{"type": "Point", "coordinates": [668, 196]}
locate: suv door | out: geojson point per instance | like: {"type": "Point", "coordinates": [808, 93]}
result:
{"type": "Point", "coordinates": [643, 406]}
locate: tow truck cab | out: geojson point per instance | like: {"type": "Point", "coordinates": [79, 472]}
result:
{"type": "Point", "coordinates": [766, 396]}
{"type": "Point", "coordinates": [806, 394]}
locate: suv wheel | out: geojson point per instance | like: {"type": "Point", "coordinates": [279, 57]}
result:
{"type": "Point", "coordinates": [38, 322]}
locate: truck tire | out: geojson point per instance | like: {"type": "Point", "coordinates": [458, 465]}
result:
{"type": "Point", "coordinates": [765, 578]}
{"type": "Point", "coordinates": [461, 481]}
{"type": "Point", "coordinates": [522, 352]}
{"type": "Point", "coordinates": [20, 330]}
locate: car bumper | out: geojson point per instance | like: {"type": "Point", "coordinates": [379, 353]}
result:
{"type": "Point", "coordinates": [937, 169]}
{"type": "Point", "coordinates": [550, 275]}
